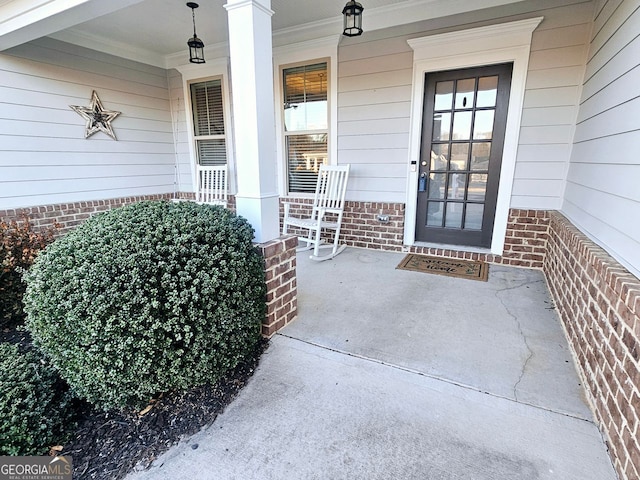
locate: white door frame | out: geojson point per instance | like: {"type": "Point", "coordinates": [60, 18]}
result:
{"type": "Point", "coordinates": [476, 47]}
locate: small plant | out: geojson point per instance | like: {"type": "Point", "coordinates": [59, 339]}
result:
{"type": "Point", "coordinates": [147, 298]}
{"type": "Point", "coordinates": [19, 245]}
{"type": "Point", "coordinates": [35, 405]}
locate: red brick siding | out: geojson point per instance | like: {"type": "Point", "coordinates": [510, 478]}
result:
{"type": "Point", "coordinates": [598, 302]}
{"type": "Point", "coordinates": [282, 290]}
{"type": "Point", "coordinates": [70, 215]}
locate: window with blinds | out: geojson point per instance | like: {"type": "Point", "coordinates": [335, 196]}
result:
{"type": "Point", "coordinates": [305, 124]}
{"type": "Point", "coordinates": [208, 122]}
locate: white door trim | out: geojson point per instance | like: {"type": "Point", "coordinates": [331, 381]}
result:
{"type": "Point", "coordinates": [502, 43]}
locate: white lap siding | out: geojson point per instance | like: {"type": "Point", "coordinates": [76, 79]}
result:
{"type": "Point", "coordinates": [602, 196]}
{"type": "Point", "coordinates": [44, 157]}
{"type": "Point", "coordinates": [375, 75]}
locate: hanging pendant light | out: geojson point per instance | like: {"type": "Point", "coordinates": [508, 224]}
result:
{"type": "Point", "coordinates": [352, 12]}
{"type": "Point", "coordinates": [196, 46]}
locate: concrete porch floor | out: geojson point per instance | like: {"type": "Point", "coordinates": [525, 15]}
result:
{"type": "Point", "coordinates": [396, 374]}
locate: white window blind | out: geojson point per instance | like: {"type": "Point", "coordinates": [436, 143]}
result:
{"type": "Point", "coordinates": [208, 122]}
{"type": "Point", "coordinates": [305, 124]}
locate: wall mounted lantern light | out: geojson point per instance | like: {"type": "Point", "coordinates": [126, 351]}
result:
{"type": "Point", "coordinates": [352, 12]}
{"type": "Point", "coordinates": [196, 46]}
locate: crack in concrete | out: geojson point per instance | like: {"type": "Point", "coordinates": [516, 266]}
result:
{"type": "Point", "coordinates": [522, 334]}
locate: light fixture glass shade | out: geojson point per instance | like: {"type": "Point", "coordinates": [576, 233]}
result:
{"type": "Point", "coordinates": [352, 13]}
{"type": "Point", "coordinates": [196, 46]}
{"type": "Point", "coordinates": [196, 50]}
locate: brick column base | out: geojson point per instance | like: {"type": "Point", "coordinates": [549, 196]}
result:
{"type": "Point", "coordinates": [282, 290]}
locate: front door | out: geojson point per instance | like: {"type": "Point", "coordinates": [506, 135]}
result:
{"type": "Point", "coordinates": [464, 120]}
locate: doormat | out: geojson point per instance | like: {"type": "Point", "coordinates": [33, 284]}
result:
{"type": "Point", "coordinates": [451, 267]}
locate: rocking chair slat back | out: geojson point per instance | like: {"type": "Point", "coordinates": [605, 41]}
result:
{"type": "Point", "coordinates": [212, 184]}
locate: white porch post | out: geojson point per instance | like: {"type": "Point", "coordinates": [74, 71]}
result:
{"type": "Point", "coordinates": [251, 58]}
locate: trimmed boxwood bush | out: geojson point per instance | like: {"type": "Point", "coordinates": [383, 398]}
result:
{"type": "Point", "coordinates": [35, 405]}
{"type": "Point", "coordinates": [147, 298]}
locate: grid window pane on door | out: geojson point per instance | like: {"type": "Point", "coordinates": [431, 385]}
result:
{"type": "Point", "coordinates": [305, 124]}
{"type": "Point", "coordinates": [208, 122]}
{"type": "Point", "coordinates": [462, 131]}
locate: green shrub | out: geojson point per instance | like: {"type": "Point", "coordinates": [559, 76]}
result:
{"type": "Point", "coordinates": [35, 405]}
{"type": "Point", "coordinates": [147, 298]}
{"type": "Point", "coordinates": [19, 245]}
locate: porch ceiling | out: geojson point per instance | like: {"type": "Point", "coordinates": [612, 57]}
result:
{"type": "Point", "coordinates": [156, 31]}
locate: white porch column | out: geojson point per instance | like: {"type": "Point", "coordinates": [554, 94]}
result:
{"type": "Point", "coordinates": [253, 115]}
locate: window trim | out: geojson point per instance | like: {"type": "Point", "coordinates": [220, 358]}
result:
{"type": "Point", "coordinates": [297, 54]}
{"type": "Point", "coordinates": [215, 69]}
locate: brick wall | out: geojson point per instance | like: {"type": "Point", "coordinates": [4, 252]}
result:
{"type": "Point", "coordinates": [525, 242]}
{"type": "Point", "coordinates": [282, 290]}
{"type": "Point", "coordinates": [598, 302]}
{"type": "Point", "coordinates": [70, 215]}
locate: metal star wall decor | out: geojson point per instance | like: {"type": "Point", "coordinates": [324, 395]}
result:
{"type": "Point", "coordinates": [98, 118]}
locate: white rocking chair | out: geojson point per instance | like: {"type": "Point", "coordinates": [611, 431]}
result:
{"type": "Point", "coordinates": [329, 199]}
{"type": "Point", "coordinates": [212, 185]}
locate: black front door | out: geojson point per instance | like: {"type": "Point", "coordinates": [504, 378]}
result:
{"type": "Point", "coordinates": [464, 120]}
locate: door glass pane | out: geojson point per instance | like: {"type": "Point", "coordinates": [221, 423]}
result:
{"type": "Point", "coordinates": [465, 92]}
{"type": "Point", "coordinates": [483, 125]}
{"type": "Point", "coordinates": [457, 182]}
{"type": "Point", "coordinates": [461, 125]}
{"type": "Point", "coordinates": [434, 214]}
{"type": "Point", "coordinates": [487, 91]}
{"type": "Point", "coordinates": [441, 126]}
{"type": "Point", "coordinates": [444, 95]}
{"type": "Point", "coordinates": [454, 215]}
{"type": "Point", "coordinates": [473, 216]}
{"type": "Point", "coordinates": [439, 156]}
{"type": "Point", "coordinates": [480, 153]}
{"type": "Point", "coordinates": [436, 185]}
{"type": "Point", "coordinates": [459, 155]}
{"type": "Point", "coordinates": [477, 187]}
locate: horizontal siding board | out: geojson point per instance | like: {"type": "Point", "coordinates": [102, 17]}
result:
{"type": "Point", "coordinates": [372, 184]}
{"type": "Point", "coordinates": [374, 127]}
{"type": "Point", "coordinates": [545, 116]}
{"type": "Point", "coordinates": [375, 96]}
{"type": "Point", "coordinates": [621, 148]}
{"type": "Point", "coordinates": [568, 36]}
{"type": "Point", "coordinates": [594, 204]}
{"type": "Point", "coordinates": [541, 188]}
{"type": "Point", "coordinates": [620, 180]}
{"type": "Point", "coordinates": [83, 173]}
{"type": "Point", "coordinates": [31, 198]}
{"type": "Point", "coordinates": [113, 183]}
{"type": "Point", "coordinates": [558, 57]}
{"type": "Point", "coordinates": [552, 97]}
{"type": "Point", "coordinates": [386, 141]}
{"type": "Point", "coordinates": [374, 112]}
{"type": "Point", "coordinates": [99, 143]}
{"type": "Point", "coordinates": [540, 170]}
{"type": "Point", "coordinates": [548, 153]}
{"type": "Point", "coordinates": [58, 81]}
{"type": "Point", "coordinates": [379, 196]}
{"type": "Point", "coordinates": [616, 93]}
{"type": "Point", "coordinates": [555, 77]}
{"type": "Point", "coordinates": [55, 160]}
{"type": "Point", "coordinates": [379, 156]}
{"type": "Point", "coordinates": [378, 170]}
{"type": "Point", "coordinates": [376, 80]}
{"type": "Point", "coordinates": [385, 63]}
{"type": "Point", "coordinates": [624, 61]}
{"type": "Point", "coordinates": [108, 70]}
{"type": "Point", "coordinates": [73, 132]}
{"type": "Point", "coordinates": [546, 134]}
{"type": "Point", "coordinates": [619, 29]}
{"type": "Point", "coordinates": [376, 48]}
{"type": "Point", "coordinates": [623, 118]}
{"type": "Point", "coordinates": [535, 202]}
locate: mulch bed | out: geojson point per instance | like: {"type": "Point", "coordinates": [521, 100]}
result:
{"type": "Point", "coordinates": [109, 445]}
